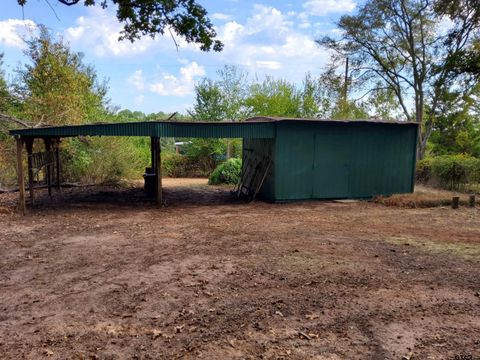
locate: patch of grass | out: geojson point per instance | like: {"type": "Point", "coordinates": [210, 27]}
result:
{"type": "Point", "coordinates": [310, 263]}
{"type": "Point", "coordinates": [467, 251]}
{"type": "Point", "coordinates": [423, 197]}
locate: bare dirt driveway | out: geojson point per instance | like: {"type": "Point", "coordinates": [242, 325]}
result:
{"type": "Point", "coordinates": [101, 273]}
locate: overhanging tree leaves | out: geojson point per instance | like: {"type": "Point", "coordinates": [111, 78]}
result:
{"type": "Point", "coordinates": [186, 18]}
{"type": "Point", "coordinates": [398, 43]}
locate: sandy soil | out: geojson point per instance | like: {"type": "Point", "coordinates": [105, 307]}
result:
{"type": "Point", "coordinates": [101, 273]}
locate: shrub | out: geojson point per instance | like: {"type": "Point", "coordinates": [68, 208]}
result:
{"type": "Point", "coordinates": [452, 172]}
{"type": "Point", "coordinates": [176, 166]}
{"type": "Point", "coordinates": [173, 165]}
{"type": "Point", "coordinates": [226, 173]}
{"type": "Point", "coordinates": [102, 159]}
{"type": "Point", "coordinates": [424, 170]}
{"type": "Point", "coordinates": [205, 152]}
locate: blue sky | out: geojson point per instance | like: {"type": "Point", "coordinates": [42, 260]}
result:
{"type": "Point", "coordinates": [262, 37]}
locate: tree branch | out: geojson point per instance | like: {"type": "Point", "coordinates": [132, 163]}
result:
{"type": "Point", "coordinates": [12, 119]}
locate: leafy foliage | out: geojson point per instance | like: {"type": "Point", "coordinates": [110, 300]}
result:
{"type": "Point", "coordinates": [219, 100]}
{"type": "Point", "coordinates": [56, 87]}
{"type": "Point", "coordinates": [186, 18]}
{"type": "Point", "coordinates": [223, 99]}
{"type": "Point", "coordinates": [397, 44]}
{"type": "Point", "coordinates": [457, 129]}
{"type": "Point", "coordinates": [227, 172]}
{"type": "Point", "coordinates": [4, 92]}
{"type": "Point", "coordinates": [102, 159]}
{"type": "Point", "coordinates": [209, 101]}
{"type": "Point", "coordinates": [453, 172]}
{"type": "Point", "coordinates": [206, 152]}
{"type": "Point", "coordinates": [274, 98]}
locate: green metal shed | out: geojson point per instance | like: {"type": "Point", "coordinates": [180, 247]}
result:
{"type": "Point", "coordinates": [283, 159]}
{"type": "Point", "coordinates": [325, 159]}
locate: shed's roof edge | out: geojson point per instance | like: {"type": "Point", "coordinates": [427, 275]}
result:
{"type": "Point", "coordinates": [278, 119]}
{"type": "Point", "coordinates": [252, 120]}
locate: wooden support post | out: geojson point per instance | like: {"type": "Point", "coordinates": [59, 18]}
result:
{"type": "Point", "coordinates": [57, 164]}
{"type": "Point", "coordinates": [29, 146]}
{"type": "Point", "coordinates": [21, 180]}
{"type": "Point", "coordinates": [471, 200]}
{"type": "Point", "coordinates": [152, 152]}
{"type": "Point", "coordinates": [158, 172]}
{"type": "Point", "coordinates": [48, 147]}
{"type": "Point", "coordinates": [455, 201]}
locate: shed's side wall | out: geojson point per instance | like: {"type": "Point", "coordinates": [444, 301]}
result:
{"type": "Point", "coordinates": [343, 160]}
{"type": "Point", "coordinates": [262, 148]}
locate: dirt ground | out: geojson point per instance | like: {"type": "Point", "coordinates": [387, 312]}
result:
{"type": "Point", "coordinates": [101, 273]}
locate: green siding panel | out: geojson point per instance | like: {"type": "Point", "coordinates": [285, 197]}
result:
{"type": "Point", "coordinates": [334, 160]}
{"type": "Point", "coordinates": [331, 171]}
{"type": "Point", "coordinates": [293, 169]}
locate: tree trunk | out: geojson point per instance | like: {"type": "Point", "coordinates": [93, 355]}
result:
{"type": "Point", "coordinates": [420, 146]}
{"type": "Point", "coordinates": [229, 149]}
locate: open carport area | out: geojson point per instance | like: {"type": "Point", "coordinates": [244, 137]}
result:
{"type": "Point", "coordinates": [319, 280]}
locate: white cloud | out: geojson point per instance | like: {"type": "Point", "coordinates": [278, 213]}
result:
{"type": "Point", "coordinates": [230, 32]}
{"type": "Point", "coordinates": [137, 80]}
{"type": "Point", "coordinates": [268, 42]}
{"type": "Point", "coordinates": [324, 7]}
{"type": "Point", "coordinates": [267, 19]}
{"type": "Point", "coordinates": [221, 16]}
{"type": "Point", "coordinates": [182, 85]}
{"type": "Point", "coordinates": [14, 31]}
{"type": "Point", "coordinates": [100, 32]}
{"type": "Point", "coordinates": [273, 65]}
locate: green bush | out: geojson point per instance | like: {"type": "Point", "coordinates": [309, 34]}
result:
{"type": "Point", "coordinates": [173, 165]}
{"type": "Point", "coordinates": [103, 159]}
{"type": "Point", "coordinates": [424, 170]}
{"type": "Point", "coordinates": [452, 172]}
{"type": "Point", "coordinates": [176, 166]}
{"type": "Point", "coordinates": [205, 152]}
{"type": "Point", "coordinates": [226, 173]}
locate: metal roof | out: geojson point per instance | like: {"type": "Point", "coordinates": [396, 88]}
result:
{"type": "Point", "coordinates": [230, 129]}
{"type": "Point", "coordinates": [281, 119]}
{"type": "Point", "coordinates": [256, 127]}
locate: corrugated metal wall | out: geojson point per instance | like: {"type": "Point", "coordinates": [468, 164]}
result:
{"type": "Point", "coordinates": [343, 160]}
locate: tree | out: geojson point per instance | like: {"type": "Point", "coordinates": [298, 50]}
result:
{"type": "Point", "coordinates": [310, 96]}
{"type": "Point", "coordinates": [274, 98]}
{"type": "Point", "coordinates": [218, 100]}
{"type": "Point", "coordinates": [186, 18]}
{"type": "Point", "coordinates": [209, 101]}
{"type": "Point", "coordinates": [465, 15]}
{"type": "Point", "coordinates": [233, 85]}
{"type": "Point", "coordinates": [4, 92]}
{"type": "Point", "coordinates": [398, 44]}
{"type": "Point", "coordinates": [56, 87]}
{"type": "Point", "coordinates": [334, 102]}
{"type": "Point", "coordinates": [457, 129]}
